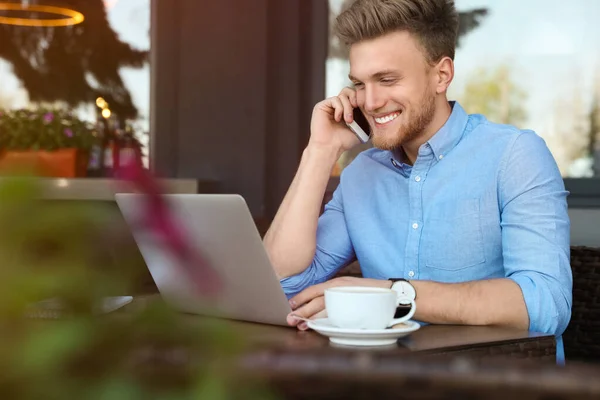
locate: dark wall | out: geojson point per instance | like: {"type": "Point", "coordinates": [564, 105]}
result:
{"type": "Point", "coordinates": [233, 86]}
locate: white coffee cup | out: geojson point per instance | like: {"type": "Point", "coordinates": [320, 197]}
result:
{"type": "Point", "coordinates": [358, 307]}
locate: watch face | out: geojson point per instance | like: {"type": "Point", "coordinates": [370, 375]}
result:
{"type": "Point", "coordinates": [404, 288]}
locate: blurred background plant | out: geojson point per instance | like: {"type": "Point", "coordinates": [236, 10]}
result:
{"type": "Point", "coordinates": [44, 129]}
{"type": "Point", "coordinates": [75, 253]}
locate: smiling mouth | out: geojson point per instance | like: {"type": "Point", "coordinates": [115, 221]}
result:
{"type": "Point", "coordinates": [387, 118]}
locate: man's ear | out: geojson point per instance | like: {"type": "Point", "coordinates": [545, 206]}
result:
{"type": "Point", "coordinates": [444, 74]}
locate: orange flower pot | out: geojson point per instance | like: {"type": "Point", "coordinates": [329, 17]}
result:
{"type": "Point", "coordinates": [62, 163]}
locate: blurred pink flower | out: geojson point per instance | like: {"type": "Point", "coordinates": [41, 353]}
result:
{"type": "Point", "coordinates": [48, 117]}
{"type": "Point", "coordinates": [68, 132]}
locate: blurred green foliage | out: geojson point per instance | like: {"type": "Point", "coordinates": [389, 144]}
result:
{"type": "Point", "coordinates": [74, 252]}
{"type": "Point", "coordinates": [496, 94]}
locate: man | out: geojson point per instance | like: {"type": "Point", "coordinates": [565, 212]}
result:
{"type": "Point", "coordinates": [471, 214]}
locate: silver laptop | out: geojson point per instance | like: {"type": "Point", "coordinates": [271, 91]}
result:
{"type": "Point", "coordinates": [222, 229]}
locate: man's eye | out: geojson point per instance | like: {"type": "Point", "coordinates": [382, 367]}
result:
{"type": "Point", "coordinates": [358, 85]}
{"type": "Point", "coordinates": [388, 81]}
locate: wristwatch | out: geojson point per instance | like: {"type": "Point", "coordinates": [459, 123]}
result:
{"type": "Point", "coordinates": [404, 288]}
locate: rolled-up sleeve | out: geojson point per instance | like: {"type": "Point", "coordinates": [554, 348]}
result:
{"type": "Point", "coordinates": [334, 249]}
{"type": "Point", "coordinates": [536, 232]}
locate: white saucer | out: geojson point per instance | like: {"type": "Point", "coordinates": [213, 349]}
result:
{"type": "Point", "coordinates": [362, 337]}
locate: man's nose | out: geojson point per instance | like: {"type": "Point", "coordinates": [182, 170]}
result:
{"type": "Point", "coordinates": [373, 99]}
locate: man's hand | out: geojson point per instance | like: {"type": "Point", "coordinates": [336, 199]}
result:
{"type": "Point", "coordinates": [310, 303]}
{"type": "Point", "coordinates": [328, 124]}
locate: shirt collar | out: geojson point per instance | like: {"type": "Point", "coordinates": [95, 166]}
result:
{"type": "Point", "coordinates": [450, 133]}
{"type": "Point", "coordinates": [440, 144]}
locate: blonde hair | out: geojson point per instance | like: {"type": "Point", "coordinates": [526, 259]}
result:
{"type": "Point", "coordinates": [434, 23]}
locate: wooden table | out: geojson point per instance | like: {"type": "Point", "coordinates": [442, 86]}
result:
{"type": "Point", "coordinates": [441, 362]}
{"type": "Point", "coordinates": [435, 362]}
{"type": "Point", "coordinates": [472, 341]}
{"type": "Point", "coordinates": [475, 342]}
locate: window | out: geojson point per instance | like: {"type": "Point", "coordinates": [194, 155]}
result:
{"type": "Point", "coordinates": [532, 64]}
{"type": "Point", "coordinates": [70, 67]}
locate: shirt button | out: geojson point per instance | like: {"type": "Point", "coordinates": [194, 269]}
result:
{"type": "Point", "coordinates": [441, 156]}
{"type": "Point", "coordinates": [411, 273]}
{"type": "Point", "coordinates": [418, 178]}
{"type": "Point", "coordinates": [394, 163]}
{"type": "Point", "coordinates": [415, 225]}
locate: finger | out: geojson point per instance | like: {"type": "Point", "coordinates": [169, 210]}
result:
{"type": "Point", "coordinates": [348, 109]}
{"type": "Point", "coordinates": [310, 309]}
{"type": "Point", "coordinates": [338, 108]}
{"type": "Point", "coordinates": [308, 294]}
{"type": "Point", "coordinates": [292, 320]}
{"type": "Point", "coordinates": [314, 308]}
{"type": "Point", "coordinates": [306, 311]}
{"type": "Point", "coordinates": [351, 95]}
{"type": "Point", "coordinates": [295, 319]}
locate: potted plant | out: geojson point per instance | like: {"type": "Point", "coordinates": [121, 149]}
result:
{"type": "Point", "coordinates": [51, 142]}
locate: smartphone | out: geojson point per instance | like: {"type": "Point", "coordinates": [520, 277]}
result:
{"type": "Point", "coordinates": [360, 126]}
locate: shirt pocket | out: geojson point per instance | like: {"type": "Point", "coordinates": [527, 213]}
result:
{"type": "Point", "coordinates": [452, 238]}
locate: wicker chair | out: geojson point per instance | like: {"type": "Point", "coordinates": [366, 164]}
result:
{"type": "Point", "coordinates": [582, 337]}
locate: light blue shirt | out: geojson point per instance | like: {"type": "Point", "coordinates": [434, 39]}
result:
{"type": "Point", "coordinates": [481, 201]}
